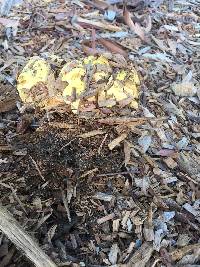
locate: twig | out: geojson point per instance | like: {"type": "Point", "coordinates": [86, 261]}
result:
{"type": "Point", "coordinates": [68, 144]}
{"type": "Point", "coordinates": [122, 120]}
{"type": "Point", "coordinates": [115, 173]}
{"type": "Point", "coordinates": [66, 205]}
{"type": "Point", "coordinates": [17, 198]}
{"type": "Point", "coordinates": [37, 168]}
{"type": "Point", "coordinates": [102, 143]}
{"type": "Point", "coordinates": [11, 228]}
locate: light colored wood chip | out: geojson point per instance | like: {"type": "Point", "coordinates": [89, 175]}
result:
{"type": "Point", "coordinates": [170, 163]}
{"type": "Point", "coordinates": [91, 134]}
{"type": "Point", "coordinates": [106, 218]}
{"type": "Point", "coordinates": [117, 141]}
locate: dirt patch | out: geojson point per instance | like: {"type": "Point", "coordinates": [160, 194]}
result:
{"type": "Point", "coordinates": [50, 160]}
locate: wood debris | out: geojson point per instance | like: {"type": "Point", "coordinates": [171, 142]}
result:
{"type": "Point", "coordinates": [115, 183]}
{"type": "Point", "coordinates": [23, 241]}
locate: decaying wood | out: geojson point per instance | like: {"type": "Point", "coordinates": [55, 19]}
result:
{"type": "Point", "coordinates": [8, 97]}
{"type": "Point", "coordinates": [123, 120]}
{"type": "Point", "coordinates": [11, 228]}
{"type": "Point", "coordinates": [140, 258]}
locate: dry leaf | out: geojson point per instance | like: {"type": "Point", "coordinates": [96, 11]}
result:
{"type": "Point", "coordinates": [117, 141]}
{"type": "Point", "coordinates": [135, 27]}
{"type": "Point", "coordinates": [96, 24]}
{"type": "Point", "coordinates": [113, 47]}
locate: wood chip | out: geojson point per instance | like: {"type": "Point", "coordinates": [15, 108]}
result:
{"type": "Point", "coordinates": [170, 163]}
{"type": "Point", "coordinates": [10, 227]}
{"type": "Point", "coordinates": [106, 218]}
{"type": "Point", "coordinates": [117, 141]}
{"type": "Point", "coordinates": [141, 256]}
{"type": "Point", "coordinates": [92, 133]}
{"type": "Point", "coordinates": [177, 254]}
{"type": "Point", "coordinates": [127, 120]}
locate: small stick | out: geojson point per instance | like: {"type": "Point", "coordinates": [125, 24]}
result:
{"type": "Point", "coordinates": [37, 168]}
{"type": "Point", "coordinates": [102, 143]}
{"type": "Point", "coordinates": [122, 120]}
{"type": "Point", "coordinates": [115, 173]}
{"type": "Point", "coordinates": [17, 198]}
{"type": "Point", "coordinates": [11, 228]}
{"type": "Point", "coordinates": [66, 205]}
{"type": "Point", "coordinates": [67, 144]}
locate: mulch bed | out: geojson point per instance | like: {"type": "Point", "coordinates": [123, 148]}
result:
{"type": "Point", "coordinates": [88, 198]}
